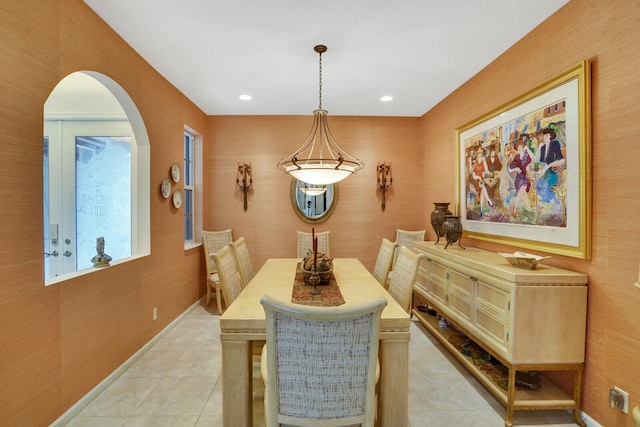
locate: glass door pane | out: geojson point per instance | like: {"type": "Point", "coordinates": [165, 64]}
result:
{"type": "Point", "coordinates": [103, 197]}
{"type": "Point", "coordinates": [87, 192]}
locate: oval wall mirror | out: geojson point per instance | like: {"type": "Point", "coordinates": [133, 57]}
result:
{"type": "Point", "coordinates": [313, 203]}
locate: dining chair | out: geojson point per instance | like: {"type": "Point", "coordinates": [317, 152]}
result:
{"type": "Point", "coordinates": [320, 363]}
{"type": "Point", "coordinates": [305, 244]}
{"type": "Point", "coordinates": [404, 276]}
{"type": "Point", "coordinates": [213, 241]}
{"type": "Point", "coordinates": [227, 267]}
{"type": "Point", "coordinates": [243, 260]}
{"type": "Point", "coordinates": [384, 261]}
{"type": "Point", "coordinates": [406, 237]}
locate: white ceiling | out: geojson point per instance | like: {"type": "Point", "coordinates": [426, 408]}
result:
{"type": "Point", "coordinates": [417, 51]}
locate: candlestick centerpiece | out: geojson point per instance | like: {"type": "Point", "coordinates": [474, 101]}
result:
{"type": "Point", "coordinates": [316, 266]}
{"type": "Point", "coordinates": [319, 264]}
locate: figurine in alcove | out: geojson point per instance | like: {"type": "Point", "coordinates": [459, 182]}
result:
{"type": "Point", "coordinates": [101, 259]}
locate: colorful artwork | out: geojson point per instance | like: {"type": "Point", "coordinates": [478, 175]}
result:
{"type": "Point", "coordinates": [515, 172]}
{"type": "Point", "coordinates": [523, 169]}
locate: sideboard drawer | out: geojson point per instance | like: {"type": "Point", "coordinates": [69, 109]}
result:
{"type": "Point", "coordinates": [439, 270]}
{"type": "Point", "coordinates": [494, 328]}
{"type": "Point", "coordinates": [462, 281]}
{"type": "Point", "coordinates": [461, 302]}
{"type": "Point", "coordinates": [493, 300]}
{"type": "Point", "coordinates": [461, 292]}
{"type": "Point", "coordinates": [437, 287]}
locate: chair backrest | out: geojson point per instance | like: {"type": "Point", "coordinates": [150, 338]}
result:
{"type": "Point", "coordinates": [406, 237]}
{"type": "Point", "coordinates": [212, 242]}
{"type": "Point", "coordinates": [230, 281]}
{"type": "Point", "coordinates": [305, 244]}
{"type": "Point", "coordinates": [384, 260]}
{"type": "Point", "coordinates": [243, 260]}
{"type": "Point", "coordinates": [404, 276]}
{"type": "Point", "coordinates": [321, 363]}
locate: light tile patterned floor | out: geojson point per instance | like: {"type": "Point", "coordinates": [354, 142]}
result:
{"type": "Point", "coordinates": [177, 384]}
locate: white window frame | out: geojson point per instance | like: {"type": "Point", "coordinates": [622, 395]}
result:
{"type": "Point", "coordinates": [196, 169]}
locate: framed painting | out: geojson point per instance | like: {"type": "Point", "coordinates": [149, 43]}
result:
{"type": "Point", "coordinates": [524, 169]}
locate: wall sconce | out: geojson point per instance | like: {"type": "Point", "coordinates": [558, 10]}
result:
{"type": "Point", "coordinates": [385, 179]}
{"type": "Point", "coordinates": [244, 181]}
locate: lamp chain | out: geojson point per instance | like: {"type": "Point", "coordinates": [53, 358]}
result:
{"type": "Point", "coordinates": [320, 87]}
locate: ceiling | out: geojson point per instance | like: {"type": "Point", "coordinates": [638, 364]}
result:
{"type": "Point", "coordinates": [418, 51]}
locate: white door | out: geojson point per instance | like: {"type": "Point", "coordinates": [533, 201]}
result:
{"type": "Point", "coordinates": [87, 192]}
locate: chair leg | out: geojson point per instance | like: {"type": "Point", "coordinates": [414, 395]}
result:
{"type": "Point", "coordinates": [219, 298]}
{"type": "Point", "coordinates": [208, 293]}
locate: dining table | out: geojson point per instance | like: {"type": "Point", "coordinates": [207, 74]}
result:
{"type": "Point", "coordinates": [243, 323]}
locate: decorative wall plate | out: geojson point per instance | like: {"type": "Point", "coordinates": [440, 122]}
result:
{"type": "Point", "coordinates": [177, 198]}
{"type": "Point", "coordinates": [175, 172]}
{"type": "Point", "coordinates": [165, 188]}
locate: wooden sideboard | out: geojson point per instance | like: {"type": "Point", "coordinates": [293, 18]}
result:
{"type": "Point", "coordinates": [529, 320]}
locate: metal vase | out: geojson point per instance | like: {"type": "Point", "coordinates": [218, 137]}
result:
{"type": "Point", "coordinates": [437, 218]}
{"type": "Point", "coordinates": [452, 229]}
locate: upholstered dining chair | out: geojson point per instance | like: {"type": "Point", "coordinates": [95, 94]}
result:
{"type": "Point", "coordinates": [213, 241]}
{"type": "Point", "coordinates": [404, 276]}
{"type": "Point", "coordinates": [384, 261]}
{"type": "Point", "coordinates": [406, 237]}
{"type": "Point", "coordinates": [305, 244]}
{"type": "Point", "coordinates": [230, 281]}
{"type": "Point", "coordinates": [320, 363]}
{"type": "Point", "coordinates": [243, 260]}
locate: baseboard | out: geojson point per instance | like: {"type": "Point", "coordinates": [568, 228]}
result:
{"type": "Point", "coordinates": [72, 412]}
{"type": "Point", "coordinates": [590, 422]}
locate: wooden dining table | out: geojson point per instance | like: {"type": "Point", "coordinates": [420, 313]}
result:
{"type": "Point", "coordinates": [244, 322]}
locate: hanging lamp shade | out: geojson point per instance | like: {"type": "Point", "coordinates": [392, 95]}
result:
{"type": "Point", "coordinates": [313, 190]}
{"type": "Point", "coordinates": [320, 160]}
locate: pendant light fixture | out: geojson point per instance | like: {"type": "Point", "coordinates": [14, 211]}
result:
{"type": "Point", "coordinates": [313, 190]}
{"type": "Point", "coordinates": [320, 160]}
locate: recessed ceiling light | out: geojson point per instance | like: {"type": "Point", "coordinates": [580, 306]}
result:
{"type": "Point", "coordinates": [386, 98]}
{"type": "Point", "coordinates": [245, 97]}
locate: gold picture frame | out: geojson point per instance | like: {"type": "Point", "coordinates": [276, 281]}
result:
{"type": "Point", "coordinates": [523, 170]}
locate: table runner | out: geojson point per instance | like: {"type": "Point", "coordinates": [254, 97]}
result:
{"type": "Point", "coordinates": [329, 296]}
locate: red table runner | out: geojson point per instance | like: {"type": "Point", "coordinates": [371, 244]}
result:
{"type": "Point", "coordinates": [329, 296]}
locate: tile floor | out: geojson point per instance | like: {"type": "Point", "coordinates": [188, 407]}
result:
{"type": "Point", "coordinates": [177, 383]}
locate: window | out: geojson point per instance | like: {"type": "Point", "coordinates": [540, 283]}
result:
{"type": "Point", "coordinates": [192, 200]}
{"type": "Point", "coordinates": [188, 188]}
{"type": "Point", "coordinates": [95, 176]}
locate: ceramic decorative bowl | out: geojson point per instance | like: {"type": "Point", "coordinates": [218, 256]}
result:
{"type": "Point", "coordinates": [523, 260]}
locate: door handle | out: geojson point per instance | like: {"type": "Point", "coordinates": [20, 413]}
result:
{"type": "Point", "coordinates": [54, 253]}
{"type": "Point", "coordinates": [67, 254]}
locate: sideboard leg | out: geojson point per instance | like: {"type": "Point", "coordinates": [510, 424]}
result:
{"type": "Point", "coordinates": [511, 395]}
{"type": "Point", "coordinates": [577, 394]}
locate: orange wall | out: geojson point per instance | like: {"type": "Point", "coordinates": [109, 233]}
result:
{"type": "Point", "coordinates": [270, 224]}
{"type": "Point", "coordinates": [607, 34]}
{"type": "Point", "coordinates": [60, 341]}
